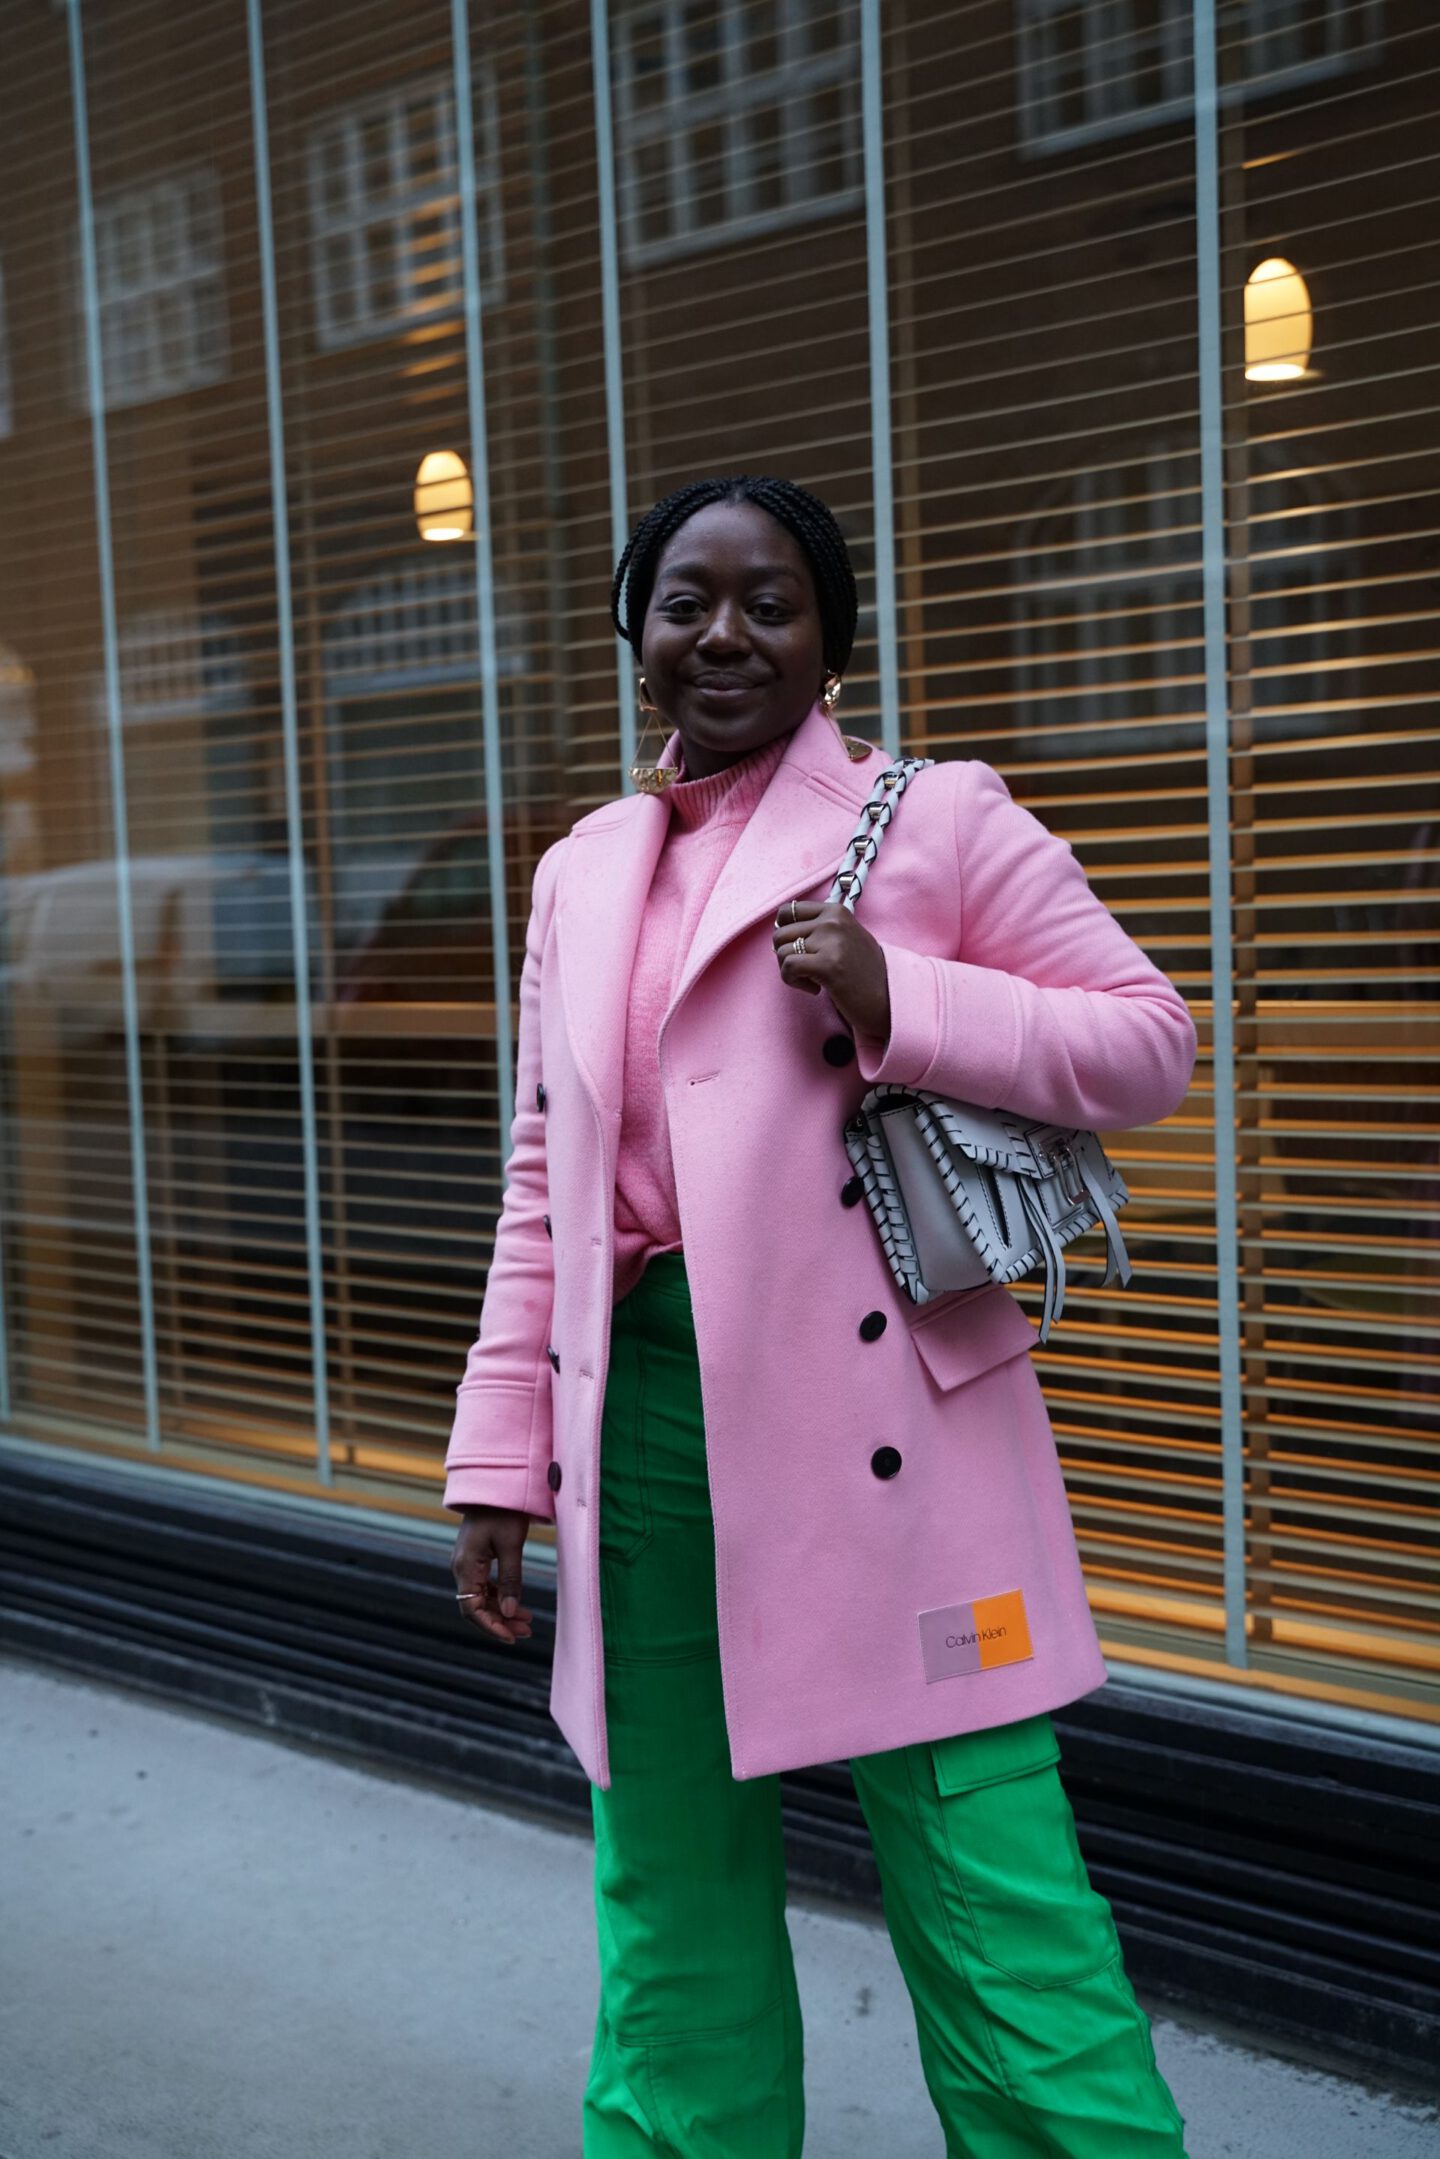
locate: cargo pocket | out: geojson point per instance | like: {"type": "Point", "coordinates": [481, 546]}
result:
{"type": "Point", "coordinates": [1010, 1838]}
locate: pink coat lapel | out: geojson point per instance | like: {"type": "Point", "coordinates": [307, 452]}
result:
{"type": "Point", "coordinates": [604, 878]}
{"type": "Point", "coordinates": [791, 844]}
{"type": "Point", "coordinates": [790, 847]}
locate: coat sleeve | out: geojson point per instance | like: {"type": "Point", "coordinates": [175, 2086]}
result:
{"type": "Point", "coordinates": [1053, 1011]}
{"type": "Point", "coordinates": [500, 1441]}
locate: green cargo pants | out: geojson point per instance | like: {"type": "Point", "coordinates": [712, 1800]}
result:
{"type": "Point", "coordinates": [1031, 2039]}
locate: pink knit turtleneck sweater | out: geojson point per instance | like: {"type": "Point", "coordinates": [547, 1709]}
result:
{"type": "Point", "coordinates": [705, 820]}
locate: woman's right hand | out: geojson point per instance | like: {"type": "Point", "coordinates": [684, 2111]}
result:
{"type": "Point", "coordinates": [492, 1534]}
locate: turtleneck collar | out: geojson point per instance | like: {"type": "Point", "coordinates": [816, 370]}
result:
{"type": "Point", "coordinates": [735, 790]}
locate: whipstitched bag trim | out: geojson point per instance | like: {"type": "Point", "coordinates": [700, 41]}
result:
{"type": "Point", "coordinates": [1027, 1162]}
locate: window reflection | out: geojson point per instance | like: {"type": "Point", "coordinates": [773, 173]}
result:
{"type": "Point", "coordinates": [160, 285]}
{"type": "Point", "coordinates": [311, 732]}
{"type": "Point", "coordinates": [733, 120]}
{"type": "Point", "coordinates": [405, 756]}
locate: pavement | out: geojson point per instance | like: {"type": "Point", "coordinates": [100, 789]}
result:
{"type": "Point", "coordinates": [218, 1945]}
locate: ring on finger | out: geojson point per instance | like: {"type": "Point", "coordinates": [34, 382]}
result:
{"type": "Point", "coordinates": [799, 946]}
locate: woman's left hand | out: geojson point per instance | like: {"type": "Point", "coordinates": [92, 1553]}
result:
{"type": "Point", "coordinates": [840, 956]}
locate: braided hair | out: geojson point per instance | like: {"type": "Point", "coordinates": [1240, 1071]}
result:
{"type": "Point", "coordinates": [804, 516]}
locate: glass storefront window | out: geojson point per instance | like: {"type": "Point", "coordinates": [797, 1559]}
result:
{"type": "Point", "coordinates": [251, 952]}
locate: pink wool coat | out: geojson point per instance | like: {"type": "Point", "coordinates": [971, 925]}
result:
{"type": "Point", "coordinates": [862, 1606]}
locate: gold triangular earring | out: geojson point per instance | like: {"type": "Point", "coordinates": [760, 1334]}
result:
{"type": "Point", "coordinates": [649, 776]}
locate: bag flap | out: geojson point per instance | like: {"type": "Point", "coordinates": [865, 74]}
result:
{"type": "Point", "coordinates": [987, 1136]}
{"type": "Point", "coordinates": [970, 1759]}
{"type": "Point", "coordinates": [961, 1336]}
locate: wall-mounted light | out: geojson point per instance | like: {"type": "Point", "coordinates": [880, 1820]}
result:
{"type": "Point", "coordinates": [1279, 322]}
{"type": "Point", "coordinates": [444, 499]}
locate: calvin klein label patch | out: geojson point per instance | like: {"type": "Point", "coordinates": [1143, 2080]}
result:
{"type": "Point", "coordinates": [962, 1638]}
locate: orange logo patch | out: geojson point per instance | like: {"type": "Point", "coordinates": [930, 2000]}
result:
{"type": "Point", "coordinates": [957, 1639]}
{"type": "Point", "coordinates": [1003, 1629]}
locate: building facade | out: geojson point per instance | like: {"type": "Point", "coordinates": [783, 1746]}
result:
{"type": "Point", "coordinates": [1108, 331]}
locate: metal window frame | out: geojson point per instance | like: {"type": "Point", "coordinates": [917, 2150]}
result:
{"type": "Point", "coordinates": [336, 330]}
{"type": "Point", "coordinates": [877, 282]}
{"type": "Point", "coordinates": [198, 273]}
{"type": "Point", "coordinates": [1357, 27]}
{"type": "Point", "coordinates": [176, 663]}
{"type": "Point", "coordinates": [613, 354]}
{"type": "Point", "coordinates": [290, 740]}
{"type": "Point", "coordinates": [680, 112]}
{"type": "Point", "coordinates": [1217, 763]}
{"type": "Point", "coordinates": [464, 76]}
{"type": "Point", "coordinates": [119, 812]}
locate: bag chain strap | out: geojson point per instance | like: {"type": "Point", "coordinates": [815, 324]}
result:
{"type": "Point", "coordinates": [874, 822]}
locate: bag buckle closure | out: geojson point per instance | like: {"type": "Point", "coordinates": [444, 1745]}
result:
{"type": "Point", "coordinates": [1053, 1156]}
{"type": "Point", "coordinates": [1067, 1169]}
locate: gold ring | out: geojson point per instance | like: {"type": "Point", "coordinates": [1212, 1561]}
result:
{"type": "Point", "coordinates": [798, 946]}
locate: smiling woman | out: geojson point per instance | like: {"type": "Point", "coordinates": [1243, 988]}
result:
{"type": "Point", "coordinates": [747, 616]}
{"type": "Point", "coordinates": [731, 644]}
{"type": "Point", "coordinates": [776, 1485]}
{"type": "Point", "coordinates": [740, 598]}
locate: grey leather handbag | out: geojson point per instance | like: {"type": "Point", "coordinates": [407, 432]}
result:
{"type": "Point", "coordinates": [961, 1194]}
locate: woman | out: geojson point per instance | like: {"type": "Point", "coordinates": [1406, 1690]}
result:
{"type": "Point", "coordinates": [762, 1463]}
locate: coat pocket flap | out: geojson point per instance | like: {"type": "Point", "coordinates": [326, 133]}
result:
{"type": "Point", "coordinates": [961, 1340]}
{"type": "Point", "coordinates": [970, 1759]}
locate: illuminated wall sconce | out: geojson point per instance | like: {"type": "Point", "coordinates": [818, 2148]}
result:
{"type": "Point", "coordinates": [444, 499]}
{"type": "Point", "coordinates": [1279, 323]}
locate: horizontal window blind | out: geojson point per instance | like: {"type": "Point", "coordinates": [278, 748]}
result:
{"type": "Point", "coordinates": [381, 661]}
{"type": "Point", "coordinates": [1045, 314]}
{"type": "Point", "coordinates": [250, 1231]}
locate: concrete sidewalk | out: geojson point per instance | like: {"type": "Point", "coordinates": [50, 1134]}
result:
{"type": "Point", "coordinates": [216, 1946]}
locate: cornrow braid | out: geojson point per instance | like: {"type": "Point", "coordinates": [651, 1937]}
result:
{"type": "Point", "coordinates": [805, 517]}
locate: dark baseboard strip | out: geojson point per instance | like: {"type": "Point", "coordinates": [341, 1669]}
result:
{"type": "Point", "coordinates": [1280, 1874]}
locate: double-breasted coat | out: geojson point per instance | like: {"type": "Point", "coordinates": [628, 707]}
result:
{"type": "Point", "coordinates": [895, 1559]}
